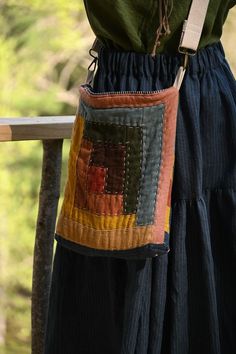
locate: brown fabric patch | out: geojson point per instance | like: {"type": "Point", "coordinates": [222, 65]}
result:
{"type": "Point", "coordinates": [112, 157]}
{"type": "Point", "coordinates": [98, 154]}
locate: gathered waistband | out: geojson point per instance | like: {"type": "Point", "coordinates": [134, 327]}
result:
{"type": "Point", "coordinates": [141, 64]}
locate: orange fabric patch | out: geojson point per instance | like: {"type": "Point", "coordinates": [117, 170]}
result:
{"type": "Point", "coordinates": [81, 173]}
{"type": "Point", "coordinates": [105, 204]}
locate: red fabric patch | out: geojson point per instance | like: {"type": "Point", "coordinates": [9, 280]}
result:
{"type": "Point", "coordinates": [96, 179]}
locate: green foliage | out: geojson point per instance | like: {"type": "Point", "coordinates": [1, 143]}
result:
{"type": "Point", "coordinates": [43, 59]}
{"type": "Point", "coordinates": [20, 166]}
{"type": "Point", "coordinates": [18, 189]}
{"type": "Point", "coordinates": [43, 45]}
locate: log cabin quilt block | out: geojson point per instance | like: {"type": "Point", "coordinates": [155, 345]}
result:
{"type": "Point", "coordinates": [117, 197]}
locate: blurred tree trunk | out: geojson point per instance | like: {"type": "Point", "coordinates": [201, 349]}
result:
{"type": "Point", "coordinates": [43, 249]}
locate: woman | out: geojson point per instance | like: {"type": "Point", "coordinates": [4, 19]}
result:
{"type": "Point", "coordinates": [182, 302]}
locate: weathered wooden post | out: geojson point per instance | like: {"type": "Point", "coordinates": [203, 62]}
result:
{"type": "Point", "coordinates": [43, 249]}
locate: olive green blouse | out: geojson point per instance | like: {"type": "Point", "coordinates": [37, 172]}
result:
{"type": "Point", "coordinates": [131, 25]}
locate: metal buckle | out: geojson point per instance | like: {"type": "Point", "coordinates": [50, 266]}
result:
{"type": "Point", "coordinates": [91, 71]}
{"type": "Point", "coordinates": [181, 72]}
{"type": "Point", "coordinates": [187, 51]}
{"type": "Point", "coordinates": [94, 51]}
{"type": "Point", "coordinates": [92, 65]}
{"type": "Point", "coordinates": [186, 59]}
{"type": "Point", "coordinates": [181, 49]}
{"type": "Point", "coordinates": [91, 53]}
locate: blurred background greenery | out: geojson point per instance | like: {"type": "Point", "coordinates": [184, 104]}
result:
{"type": "Point", "coordinates": [43, 59]}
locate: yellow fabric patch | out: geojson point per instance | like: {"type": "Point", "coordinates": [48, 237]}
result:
{"type": "Point", "coordinates": [100, 222]}
{"type": "Point", "coordinates": [167, 220]}
{"type": "Point", "coordinates": [76, 138]}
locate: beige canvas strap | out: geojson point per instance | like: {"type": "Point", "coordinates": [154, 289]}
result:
{"type": "Point", "coordinates": [191, 35]}
{"type": "Point", "coordinates": [192, 27]}
{"type": "Point", "coordinates": [190, 38]}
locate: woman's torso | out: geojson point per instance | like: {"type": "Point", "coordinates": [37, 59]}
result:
{"type": "Point", "coordinates": [131, 25]}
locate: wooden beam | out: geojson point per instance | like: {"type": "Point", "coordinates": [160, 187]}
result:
{"type": "Point", "coordinates": [36, 128]}
{"type": "Point", "coordinates": [43, 250]}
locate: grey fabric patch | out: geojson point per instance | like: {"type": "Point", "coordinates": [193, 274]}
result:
{"type": "Point", "coordinates": [152, 148]}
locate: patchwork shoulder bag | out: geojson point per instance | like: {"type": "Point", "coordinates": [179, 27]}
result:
{"type": "Point", "coordinates": [117, 199]}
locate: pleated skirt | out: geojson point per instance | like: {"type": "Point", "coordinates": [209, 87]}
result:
{"type": "Point", "coordinates": [183, 302]}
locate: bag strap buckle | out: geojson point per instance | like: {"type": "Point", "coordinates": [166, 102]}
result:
{"type": "Point", "coordinates": [191, 35]}
{"type": "Point", "coordinates": [93, 51]}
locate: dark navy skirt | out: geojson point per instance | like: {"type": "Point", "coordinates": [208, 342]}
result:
{"type": "Point", "coordinates": [183, 302]}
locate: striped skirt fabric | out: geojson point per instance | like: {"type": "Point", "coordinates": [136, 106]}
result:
{"type": "Point", "coordinates": [183, 302]}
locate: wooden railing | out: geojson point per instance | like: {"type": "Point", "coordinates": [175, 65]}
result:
{"type": "Point", "coordinates": [52, 131]}
{"type": "Point", "coordinates": [35, 128]}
